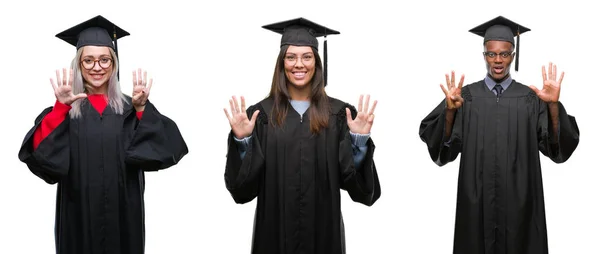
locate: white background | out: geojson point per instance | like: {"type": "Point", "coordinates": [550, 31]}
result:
{"type": "Point", "coordinates": [201, 54]}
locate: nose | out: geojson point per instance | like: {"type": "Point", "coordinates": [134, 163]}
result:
{"type": "Point", "coordinates": [97, 66]}
{"type": "Point", "coordinates": [298, 63]}
{"type": "Point", "coordinates": [498, 59]}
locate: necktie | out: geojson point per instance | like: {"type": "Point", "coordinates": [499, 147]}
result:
{"type": "Point", "coordinates": [498, 89]}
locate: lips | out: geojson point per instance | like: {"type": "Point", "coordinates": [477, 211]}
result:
{"type": "Point", "coordinates": [299, 74]}
{"type": "Point", "coordinates": [97, 76]}
{"type": "Point", "coordinates": [498, 69]}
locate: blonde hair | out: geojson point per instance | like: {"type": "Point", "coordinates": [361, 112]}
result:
{"type": "Point", "coordinates": [116, 99]}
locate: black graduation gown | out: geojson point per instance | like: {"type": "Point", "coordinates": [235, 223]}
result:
{"type": "Point", "coordinates": [99, 163]}
{"type": "Point", "coordinates": [297, 178]}
{"type": "Point", "coordinates": [500, 201]}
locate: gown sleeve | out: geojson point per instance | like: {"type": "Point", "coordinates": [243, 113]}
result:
{"type": "Point", "coordinates": [432, 130]}
{"type": "Point", "coordinates": [361, 183]}
{"type": "Point", "coordinates": [156, 141]}
{"type": "Point", "coordinates": [559, 150]}
{"type": "Point", "coordinates": [242, 176]}
{"type": "Point", "coordinates": [45, 149]}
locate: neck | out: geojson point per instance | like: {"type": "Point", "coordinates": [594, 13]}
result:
{"type": "Point", "coordinates": [299, 94]}
{"type": "Point", "coordinates": [96, 90]}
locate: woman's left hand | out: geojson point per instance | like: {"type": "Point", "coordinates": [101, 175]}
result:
{"type": "Point", "coordinates": [364, 118]}
{"type": "Point", "coordinates": [141, 90]}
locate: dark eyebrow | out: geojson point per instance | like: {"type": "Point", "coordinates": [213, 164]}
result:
{"type": "Point", "coordinates": [311, 53]}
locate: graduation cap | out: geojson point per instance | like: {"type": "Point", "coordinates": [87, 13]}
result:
{"type": "Point", "coordinates": [96, 31]}
{"type": "Point", "coordinates": [501, 29]}
{"type": "Point", "coordinates": [302, 32]}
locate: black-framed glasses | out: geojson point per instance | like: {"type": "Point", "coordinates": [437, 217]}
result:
{"type": "Point", "coordinates": [103, 62]}
{"type": "Point", "coordinates": [492, 55]}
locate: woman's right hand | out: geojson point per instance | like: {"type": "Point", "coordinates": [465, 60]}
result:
{"type": "Point", "coordinates": [63, 90]}
{"type": "Point", "coordinates": [454, 99]}
{"type": "Point", "coordinates": [240, 124]}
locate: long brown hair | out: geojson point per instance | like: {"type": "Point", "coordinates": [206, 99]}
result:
{"type": "Point", "coordinates": [319, 102]}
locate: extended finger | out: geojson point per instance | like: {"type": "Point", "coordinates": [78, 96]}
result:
{"type": "Point", "coordinates": [535, 89]}
{"type": "Point", "coordinates": [373, 108]}
{"type": "Point", "coordinates": [544, 73]}
{"type": "Point", "coordinates": [64, 78]}
{"type": "Point", "coordinates": [253, 119]}
{"type": "Point", "coordinates": [237, 105]}
{"type": "Point", "coordinates": [232, 107]}
{"type": "Point", "coordinates": [58, 80]}
{"type": "Point", "coordinates": [366, 106]}
{"type": "Point", "coordinates": [448, 82]}
{"type": "Point", "coordinates": [348, 115]}
{"type": "Point", "coordinates": [243, 104]}
{"type": "Point", "coordinates": [444, 90]}
{"type": "Point", "coordinates": [462, 79]}
{"type": "Point", "coordinates": [139, 79]}
{"type": "Point", "coordinates": [561, 78]}
{"type": "Point", "coordinates": [360, 101]}
{"type": "Point", "coordinates": [145, 78]}
{"type": "Point", "coordinates": [134, 78]}
{"type": "Point", "coordinates": [452, 80]}
{"type": "Point", "coordinates": [149, 86]}
{"type": "Point", "coordinates": [227, 114]}
{"type": "Point", "coordinates": [53, 85]}
{"type": "Point", "coordinates": [554, 72]}
{"type": "Point", "coordinates": [80, 96]}
{"type": "Point", "coordinates": [71, 78]}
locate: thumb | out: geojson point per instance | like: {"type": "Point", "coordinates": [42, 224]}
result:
{"type": "Point", "coordinates": [137, 96]}
{"type": "Point", "coordinates": [535, 89]}
{"type": "Point", "coordinates": [253, 120]}
{"type": "Point", "coordinates": [348, 115]}
{"type": "Point", "coordinates": [80, 96]}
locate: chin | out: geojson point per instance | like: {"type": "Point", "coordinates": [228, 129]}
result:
{"type": "Point", "coordinates": [298, 83]}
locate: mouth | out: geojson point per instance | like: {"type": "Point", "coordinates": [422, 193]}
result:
{"type": "Point", "coordinates": [498, 69]}
{"type": "Point", "coordinates": [97, 76]}
{"type": "Point", "coordinates": [299, 74]}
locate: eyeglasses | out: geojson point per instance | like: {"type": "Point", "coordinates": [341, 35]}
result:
{"type": "Point", "coordinates": [89, 63]}
{"type": "Point", "coordinates": [494, 54]}
{"type": "Point", "coordinates": [293, 59]}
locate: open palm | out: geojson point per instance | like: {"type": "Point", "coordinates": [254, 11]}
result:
{"type": "Point", "coordinates": [238, 120]}
{"type": "Point", "coordinates": [363, 121]}
{"type": "Point", "coordinates": [63, 90]}
{"type": "Point", "coordinates": [551, 89]}
{"type": "Point", "coordinates": [454, 99]}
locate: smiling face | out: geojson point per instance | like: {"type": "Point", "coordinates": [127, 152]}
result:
{"type": "Point", "coordinates": [96, 66]}
{"type": "Point", "coordinates": [498, 58]}
{"type": "Point", "coordinates": [299, 65]}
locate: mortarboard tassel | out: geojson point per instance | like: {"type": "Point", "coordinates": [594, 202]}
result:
{"type": "Point", "coordinates": [518, 44]}
{"type": "Point", "coordinates": [116, 51]}
{"type": "Point", "coordinates": [325, 58]}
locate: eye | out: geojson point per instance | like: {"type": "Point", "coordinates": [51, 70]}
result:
{"type": "Point", "coordinates": [505, 54]}
{"type": "Point", "coordinates": [290, 58]}
{"type": "Point", "coordinates": [307, 57]}
{"type": "Point", "coordinates": [105, 60]}
{"type": "Point", "coordinates": [88, 61]}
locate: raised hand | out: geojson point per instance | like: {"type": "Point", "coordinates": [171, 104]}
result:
{"type": "Point", "coordinates": [454, 99]}
{"type": "Point", "coordinates": [363, 121]}
{"type": "Point", "coordinates": [63, 90]}
{"type": "Point", "coordinates": [551, 89]}
{"type": "Point", "coordinates": [141, 90]}
{"type": "Point", "coordinates": [240, 124]}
